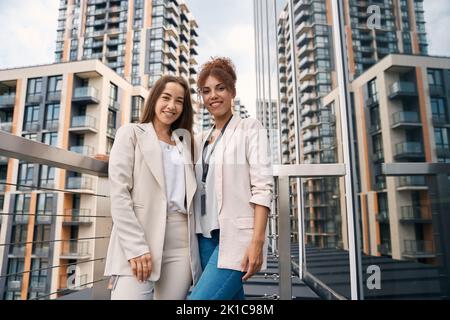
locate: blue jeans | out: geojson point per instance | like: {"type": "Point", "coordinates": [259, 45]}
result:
{"type": "Point", "coordinates": [215, 283]}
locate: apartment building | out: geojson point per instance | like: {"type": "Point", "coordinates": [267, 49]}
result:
{"type": "Point", "coordinates": [139, 39]}
{"type": "Point", "coordinates": [76, 106]}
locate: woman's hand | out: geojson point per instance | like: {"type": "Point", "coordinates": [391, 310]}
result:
{"type": "Point", "coordinates": [253, 259]}
{"type": "Point", "coordinates": [142, 267]}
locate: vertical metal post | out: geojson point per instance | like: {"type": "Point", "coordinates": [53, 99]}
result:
{"type": "Point", "coordinates": [284, 239]}
{"type": "Point", "coordinates": [300, 209]}
{"type": "Point", "coordinates": [348, 150]}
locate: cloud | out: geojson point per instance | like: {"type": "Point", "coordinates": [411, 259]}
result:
{"type": "Point", "coordinates": [28, 34]}
{"type": "Point", "coordinates": [437, 13]}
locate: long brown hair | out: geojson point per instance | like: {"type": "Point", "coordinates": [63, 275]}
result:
{"type": "Point", "coordinates": [186, 119]}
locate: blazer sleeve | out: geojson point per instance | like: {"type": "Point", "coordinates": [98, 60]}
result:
{"type": "Point", "coordinates": [261, 178]}
{"type": "Point", "coordinates": [126, 224]}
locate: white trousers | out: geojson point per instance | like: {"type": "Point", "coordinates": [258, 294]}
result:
{"type": "Point", "coordinates": [176, 275]}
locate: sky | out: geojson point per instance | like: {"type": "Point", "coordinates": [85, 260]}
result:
{"type": "Point", "coordinates": [28, 34]}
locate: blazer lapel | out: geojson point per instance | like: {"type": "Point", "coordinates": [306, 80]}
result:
{"type": "Point", "coordinates": [151, 151]}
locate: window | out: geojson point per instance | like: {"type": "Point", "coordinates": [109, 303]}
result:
{"type": "Point", "coordinates": [38, 279]}
{"type": "Point", "coordinates": [31, 121]}
{"type": "Point", "coordinates": [50, 138]}
{"type": "Point", "coordinates": [113, 94]}
{"type": "Point", "coordinates": [25, 178]}
{"type": "Point", "coordinates": [438, 109]}
{"type": "Point", "coordinates": [434, 77]}
{"type": "Point", "coordinates": [136, 108]}
{"type": "Point", "coordinates": [47, 177]}
{"type": "Point", "coordinates": [34, 86]}
{"type": "Point", "coordinates": [52, 117]}
{"type": "Point", "coordinates": [54, 84]}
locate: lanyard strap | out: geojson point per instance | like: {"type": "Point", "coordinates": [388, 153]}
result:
{"type": "Point", "coordinates": [205, 159]}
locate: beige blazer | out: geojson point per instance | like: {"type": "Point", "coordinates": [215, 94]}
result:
{"type": "Point", "coordinates": [138, 200]}
{"type": "Point", "coordinates": [243, 178]}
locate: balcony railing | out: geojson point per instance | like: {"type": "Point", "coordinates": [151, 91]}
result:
{"type": "Point", "coordinates": [84, 150]}
{"type": "Point", "coordinates": [79, 183]}
{"type": "Point", "coordinates": [408, 150]}
{"type": "Point", "coordinates": [405, 118]}
{"type": "Point", "coordinates": [77, 216]}
{"type": "Point", "coordinates": [412, 181]}
{"type": "Point", "coordinates": [7, 100]}
{"type": "Point", "coordinates": [415, 214]}
{"type": "Point", "coordinates": [6, 126]}
{"type": "Point", "coordinates": [418, 249]}
{"type": "Point", "coordinates": [84, 124]}
{"type": "Point", "coordinates": [86, 95]}
{"type": "Point", "coordinates": [44, 217]}
{"type": "Point", "coordinates": [75, 250]}
{"type": "Point", "coordinates": [385, 249]}
{"type": "Point", "coordinates": [403, 89]}
{"type": "Point", "coordinates": [34, 98]}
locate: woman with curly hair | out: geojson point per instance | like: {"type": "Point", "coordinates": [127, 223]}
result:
{"type": "Point", "coordinates": [234, 193]}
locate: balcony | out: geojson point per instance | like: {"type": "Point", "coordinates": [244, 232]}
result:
{"type": "Point", "coordinates": [401, 89]}
{"type": "Point", "coordinates": [80, 183]}
{"type": "Point", "coordinates": [54, 96]}
{"type": "Point", "coordinates": [6, 127]}
{"type": "Point", "coordinates": [14, 285]}
{"type": "Point", "coordinates": [415, 249]}
{"type": "Point", "coordinates": [77, 217]}
{"type": "Point", "coordinates": [409, 151]}
{"type": "Point", "coordinates": [83, 124]}
{"type": "Point", "coordinates": [41, 250]}
{"type": "Point", "coordinates": [75, 250]}
{"type": "Point", "coordinates": [85, 95]}
{"type": "Point", "coordinates": [51, 125]}
{"type": "Point", "coordinates": [21, 218]}
{"type": "Point", "coordinates": [44, 217]}
{"type": "Point", "coordinates": [415, 214]}
{"type": "Point", "coordinates": [310, 135]}
{"type": "Point", "coordinates": [31, 127]}
{"type": "Point", "coordinates": [18, 251]}
{"type": "Point", "coordinates": [87, 151]}
{"type": "Point", "coordinates": [383, 216]}
{"type": "Point", "coordinates": [436, 91]}
{"type": "Point", "coordinates": [7, 100]}
{"type": "Point", "coordinates": [405, 119]}
{"type": "Point", "coordinates": [412, 183]}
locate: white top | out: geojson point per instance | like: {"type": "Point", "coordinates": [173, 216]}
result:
{"type": "Point", "coordinates": [174, 176]}
{"type": "Point", "coordinates": [204, 224]}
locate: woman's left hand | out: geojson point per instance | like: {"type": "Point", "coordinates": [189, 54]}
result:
{"type": "Point", "coordinates": [253, 259]}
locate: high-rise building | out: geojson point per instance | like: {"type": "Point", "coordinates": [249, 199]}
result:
{"type": "Point", "coordinates": [240, 109]}
{"type": "Point", "coordinates": [398, 113]}
{"type": "Point", "coordinates": [139, 39]}
{"type": "Point", "coordinates": [76, 106]}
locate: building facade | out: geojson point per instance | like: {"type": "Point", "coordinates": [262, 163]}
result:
{"type": "Point", "coordinates": [76, 106]}
{"type": "Point", "coordinates": [139, 39]}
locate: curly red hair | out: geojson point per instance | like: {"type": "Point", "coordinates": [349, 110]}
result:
{"type": "Point", "coordinates": [222, 69]}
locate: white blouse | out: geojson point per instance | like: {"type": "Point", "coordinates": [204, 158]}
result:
{"type": "Point", "coordinates": [205, 224]}
{"type": "Point", "coordinates": [174, 175]}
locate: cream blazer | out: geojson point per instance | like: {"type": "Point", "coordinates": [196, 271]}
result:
{"type": "Point", "coordinates": [243, 179]}
{"type": "Point", "coordinates": [138, 200]}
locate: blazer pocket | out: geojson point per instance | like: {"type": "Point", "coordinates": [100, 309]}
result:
{"type": "Point", "coordinates": [245, 223]}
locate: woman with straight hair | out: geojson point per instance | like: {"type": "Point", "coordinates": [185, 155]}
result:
{"type": "Point", "coordinates": [153, 246]}
{"type": "Point", "coordinates": [234, 192]}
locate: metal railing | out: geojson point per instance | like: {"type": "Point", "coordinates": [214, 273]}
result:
{"type": "Point", "coordinates": [79, 251]}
